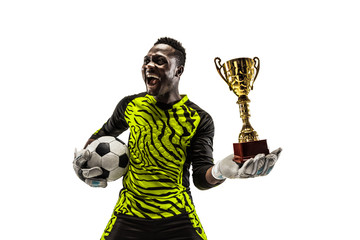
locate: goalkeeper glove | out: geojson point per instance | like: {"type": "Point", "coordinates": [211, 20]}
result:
{"type": "Point", "coordinates": [87, 175]}
{"type": "Point", "coordinates": [260, 165]}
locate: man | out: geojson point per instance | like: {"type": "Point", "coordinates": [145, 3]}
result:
{"type": "Point", "coordinates": [168, 134]}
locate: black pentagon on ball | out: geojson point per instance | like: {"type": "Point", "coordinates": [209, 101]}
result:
{"type": "Point", "coordinates": [102, 149]}
{"type": "Point", "coordinates": [123, 161]}
{"type": "Point", "coordinates": [105, 174]}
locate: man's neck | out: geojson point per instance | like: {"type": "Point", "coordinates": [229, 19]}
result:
{"type": "Point", "coordinates": [168, 98]}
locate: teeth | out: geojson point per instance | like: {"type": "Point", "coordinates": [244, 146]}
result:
{"type": "Point", "coordinates": [152, 76]}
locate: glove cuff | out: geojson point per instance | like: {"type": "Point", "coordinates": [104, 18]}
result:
{"type": "Point", "coordinates": [216, 173]}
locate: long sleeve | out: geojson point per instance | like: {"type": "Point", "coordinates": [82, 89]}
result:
{"type": "Point", "coordinates": [200, 152]}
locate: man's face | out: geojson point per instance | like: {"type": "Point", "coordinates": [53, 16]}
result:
{"type": "Point", "coordinates": [160, 71]}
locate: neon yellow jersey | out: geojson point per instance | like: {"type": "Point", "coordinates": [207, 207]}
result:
{"type": "Point", "coordinates": [164, 141]}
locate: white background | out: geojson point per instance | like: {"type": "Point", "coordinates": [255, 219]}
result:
{"type": "Point", "coordinates": [64, 65]}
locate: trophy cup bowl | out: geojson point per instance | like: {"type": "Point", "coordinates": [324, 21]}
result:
{"type": "Point", "coordinates": [240, 75]}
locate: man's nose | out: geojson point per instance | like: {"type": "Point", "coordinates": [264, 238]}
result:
{"type": "Point", "coordinates": [150, 64]}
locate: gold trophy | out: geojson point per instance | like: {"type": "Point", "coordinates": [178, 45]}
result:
{"type": "Point", "coordinates": [240, 75]}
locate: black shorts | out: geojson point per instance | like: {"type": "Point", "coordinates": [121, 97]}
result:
{"type": "Point", "coordinates": [123, 227]}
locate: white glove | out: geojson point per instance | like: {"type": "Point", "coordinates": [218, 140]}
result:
{"type": "Point", "coordinates": [260, 165]}
{"type": "Point", "coordinates": [87, 175]}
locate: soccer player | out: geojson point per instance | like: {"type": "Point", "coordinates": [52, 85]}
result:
{"type": "Point", "coordinates": [168, 134]}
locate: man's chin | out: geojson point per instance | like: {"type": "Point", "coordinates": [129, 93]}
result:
{"type": "Point", "coordinates": [152, 92]}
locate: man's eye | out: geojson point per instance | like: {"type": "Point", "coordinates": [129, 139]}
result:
{"type": "Point", "coordinates": [161, 61]}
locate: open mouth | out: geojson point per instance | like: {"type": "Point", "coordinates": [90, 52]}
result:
{"type": "Point", "coordinates": [152, 79]}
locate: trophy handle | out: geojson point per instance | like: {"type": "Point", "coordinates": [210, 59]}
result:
{"type": "Point", "coordinates": [218, 66]}
{"type": "Point", "coordinates": [257, 67]}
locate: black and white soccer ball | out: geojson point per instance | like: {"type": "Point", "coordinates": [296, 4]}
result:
{"type": "Point", "coordinates": [111, 155]}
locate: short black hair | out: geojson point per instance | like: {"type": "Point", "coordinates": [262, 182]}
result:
{"type": "Point", "coordinates": [180, 53]}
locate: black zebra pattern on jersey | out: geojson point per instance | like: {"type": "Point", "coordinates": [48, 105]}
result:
{"type": "Point", "coordinates": [158, 142]}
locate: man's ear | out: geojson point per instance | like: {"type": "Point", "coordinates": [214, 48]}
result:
{"type": "Point", "coordinates": [179, 71]}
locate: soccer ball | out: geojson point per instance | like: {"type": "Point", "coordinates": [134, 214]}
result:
{"type": "Point", "coordinates": [111, 155]}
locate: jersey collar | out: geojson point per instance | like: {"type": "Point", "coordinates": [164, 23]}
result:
{"type": "Point", "coordinates": [184, 98]}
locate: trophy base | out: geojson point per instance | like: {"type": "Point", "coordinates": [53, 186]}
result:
{"type": "Point", "coordinates": [249, 150]}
